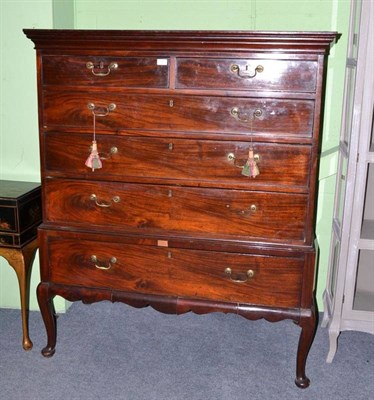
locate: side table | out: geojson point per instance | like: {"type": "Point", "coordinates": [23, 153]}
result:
{"type": "Point", "coordinates": [20, 216]}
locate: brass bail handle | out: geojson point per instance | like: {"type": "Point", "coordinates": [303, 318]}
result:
{"type": "Point", "coordinates": [91, 66]}
{"type": "Point", "coordinates": [232, 158]}
{"type": "Point", "coordinates": [246, 72]}
{"type": "Point", "coordinates": [249, 275]}
{"type": "Point", "coordinates": [98, 110]}
{"type": "Point", "coordinates": [102, 265]}
{"type": "Point", "coordinates": [106, 156]}
{"type": "Point", "coordinates": [104, 204]}
{"type": "Point", "coordinates": [243, 116]}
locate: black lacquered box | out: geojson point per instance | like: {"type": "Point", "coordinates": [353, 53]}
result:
{"type": "Point", "coordinates": [20, 212]}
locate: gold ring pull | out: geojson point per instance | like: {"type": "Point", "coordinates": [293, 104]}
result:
{"type": "Point", "coordinates": [245, 117]}
{"type": "Point", "coordinates": [101, 265]}
{"type": "Point", "coordinates": [249, 275]}
{"type": "Point", "coordinates": [101, 111]}
{"type": "Point", "coordinates": [104, 204]}
{"type": "Point", "coordinates": [247, 72]}
{"type": "Point", "coordinates": [112, 66]}
{"type": "Point", "coordinates": [106, 156]}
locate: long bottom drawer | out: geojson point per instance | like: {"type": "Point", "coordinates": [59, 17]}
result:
{"type": "Point", "coordinates": [254, 279]}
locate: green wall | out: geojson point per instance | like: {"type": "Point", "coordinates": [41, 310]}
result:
{"type": "Point", "coordinates": [19, 148]}
{"type": "Point", "coordinates": [18, 134]}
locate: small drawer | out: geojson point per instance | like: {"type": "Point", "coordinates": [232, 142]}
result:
{"type": "Point", "coordinates": [7, 240]}
{"type": "Point", "coordinates": [17, 240]}
{"type": "Point", "coordinates": [106, 71]}
{"type": "Point", "coordinates": [247, 74]}
{"type": "Point", "coordinates": [243, 278]}
{"type": "Point", "coordinates": [184, 161]}
{"type": "Point", "coordinates": [8, 219]}
{"type": "Point", "coordinates": [271, 216]}
{"type": "Point", "coordinates": [213, 114]}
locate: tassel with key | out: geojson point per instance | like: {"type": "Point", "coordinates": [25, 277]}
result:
{"type": "Point", "coordinates": [93, 161]}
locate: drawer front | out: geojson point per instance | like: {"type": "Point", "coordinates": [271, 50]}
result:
{"type": "Point", "coordinates": [106, 71]}
{"type": "Point", "coordinates": [30, 213]}
{"type": "Point", "coordinates": [272, 281]}
{"type": "Point", "coordinates": [7, 240]}
{"type": "Point", "coordinates": [208, 162]}
{"type": "Point", "coordinates": [66, 110]}
{"type": "Point", "coordinates": [247, 74]}
{"type": "Point", "coordinates": [196, 210]}
{"type": "Point", "coordinates": [8, 219]}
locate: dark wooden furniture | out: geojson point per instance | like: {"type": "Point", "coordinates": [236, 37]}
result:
{"type": "Point", "coordinates": [173, 219]}
{"type": "Point", "coordinates": [20, 215]}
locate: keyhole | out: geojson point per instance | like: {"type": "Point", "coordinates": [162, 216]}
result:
{"type": "Point", "coordinates": [171, 103]}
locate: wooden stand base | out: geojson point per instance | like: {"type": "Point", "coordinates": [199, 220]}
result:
{"type": "Point", "coordinates": [306, 318]}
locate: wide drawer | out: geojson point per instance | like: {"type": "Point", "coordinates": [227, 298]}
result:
{"type": "Point", "coordinates": [203, 162]}
{"type": "Point", "coordinates": [247, 74]}
{"type": "Point", "coordinates": [254, 279]}
{"type": "Point", "coordinates": [106, 71]}
{"type": "Point", "coordinates": [196, 210]}
{"type": "Point", "coordinates": [116, 112]}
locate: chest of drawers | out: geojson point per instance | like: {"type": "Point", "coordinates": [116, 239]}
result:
{"type": "Point", "coordinates": [203, 196]}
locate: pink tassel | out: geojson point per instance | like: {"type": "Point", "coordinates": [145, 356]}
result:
{"type": "Point", "coordinates": [250, 167]}
{"type": "Point", "coordinates": [93, 161]}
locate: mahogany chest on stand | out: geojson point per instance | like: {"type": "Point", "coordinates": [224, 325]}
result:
{"type": "Point", "coordinates": [179, 171]}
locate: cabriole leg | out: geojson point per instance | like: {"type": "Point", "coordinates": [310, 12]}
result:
{"type": "Point", "coordinates": [308, 328]}
{"type": "Point", "coordinates": [46, 306]}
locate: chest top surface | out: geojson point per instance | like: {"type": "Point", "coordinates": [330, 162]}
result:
{"type": "Point", "coordinates": [308, 42]}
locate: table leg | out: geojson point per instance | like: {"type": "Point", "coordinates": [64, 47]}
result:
{"type": "Point", "coordinates": [21, 261]}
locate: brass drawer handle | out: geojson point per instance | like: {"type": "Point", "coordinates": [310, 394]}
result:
{"type": "Point", "coordinates": [250, 167]}
{"type": "Point", "coordinates": [105, 204]}
{"type": "Point", "coordinates": [105, 156]}
{"type": "Point", "coordinates": [251, 210]}
{"type": "Point", "coordinates": [249, 275]}
{"type": "Point", "coordinates": [231, 157]}
{"type": "Point", "coordinates": [247, 72]}
{"type": "Point", "coordinates": [101, 111]}
{"type": "Point", "coordinates": [243, 116]}
{"type": "Point", "coordinates": [101, 265]}
{"type": "Point", "coordinates": [112, 66]}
